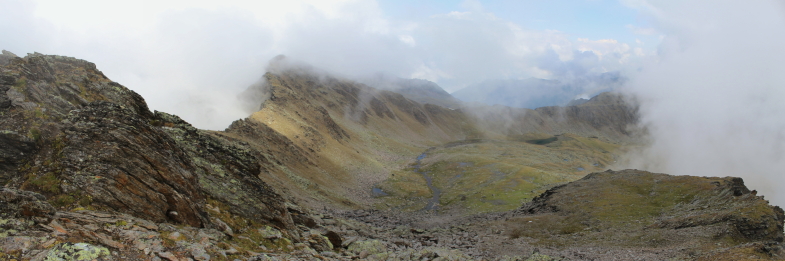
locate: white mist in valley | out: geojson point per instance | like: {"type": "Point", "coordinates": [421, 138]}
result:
{"type": "Point", "coordinates": [714, 101]}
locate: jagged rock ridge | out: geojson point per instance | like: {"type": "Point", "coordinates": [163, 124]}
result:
{"type": "Point", "coordinates": [84, 160]}
{"type": "Point", "coordinates": [87, 141]}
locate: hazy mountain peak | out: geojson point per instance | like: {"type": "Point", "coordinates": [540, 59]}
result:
{"type": "Point", "coordinates": [422, 91]}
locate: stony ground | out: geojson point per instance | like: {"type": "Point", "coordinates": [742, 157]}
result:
{"type": "Point", "coordinates": [32, 230]}
{"type": "Point", "coordinates": [714, 219]}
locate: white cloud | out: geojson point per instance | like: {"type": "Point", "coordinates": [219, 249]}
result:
{"type": "Point", "coordinates": [641, 31]}
{"type": "Point", "coordinates": [428, 73]}
{"type": "Point", "coordinates": [192, 58]}
{"type": "Point", "coordinates": [604, 47]}
{"type": "Point", "coordinates": [639, 51]}
{"type": "Point", "coordinates": [407, 39]}
{"type": "Point", "coordinates": [714, 99]}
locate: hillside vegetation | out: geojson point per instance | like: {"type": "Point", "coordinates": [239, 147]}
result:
{"type": "Point", "coordinates": [333, 169]}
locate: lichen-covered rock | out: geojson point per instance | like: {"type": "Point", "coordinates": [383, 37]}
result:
{"type": "Point", "coordinates": [81, 140]}
{"type": "Point", "coordinates": [268, 232]}
{"type": "Point", "coordinates": [369, 247]}
{"type": "Point", "coordinates": [78, 252]}
{"type": "Point", "coordinates": [113, 154]}
{"type": "Point", "coordinates": [21, 211]}
{"type": "Point", "coordinates": [228, 171]}
{"type": "Point", "coordinates": [24, 204]}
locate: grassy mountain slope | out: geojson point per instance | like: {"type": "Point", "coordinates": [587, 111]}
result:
{"type": "Point", "coordinates": [89, 171]}
{"type": "Point", "coordinates": [361, 137]}
{"type": "Point", "coordinates": [353, 133]}
{"type": "Point", "coordinates": [495, 175]}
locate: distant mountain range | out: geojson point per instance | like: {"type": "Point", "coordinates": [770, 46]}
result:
{"type": "Point", "coordinates": [533, 93]}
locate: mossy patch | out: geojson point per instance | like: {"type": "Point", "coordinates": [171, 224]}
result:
{"type": "Point", "coordinates": [62, 201]}
{"type": "Point", "coordinates": [34, 134]}
{"type": "Point", "coordinates": [248, 235]}
{"type": "Point", "coordinates": [48, 183]}
{"type": "Point", "coordinates": [20, 83]}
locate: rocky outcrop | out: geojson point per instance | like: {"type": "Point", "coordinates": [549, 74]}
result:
{"type": "Point", "coordinates": [703, 216]}
{"type": "Point", "coordinates": [83, 141]}
{"type": "Point", "coordinates": [95, 235]}
{"type": "Point", "coordinates": [6, 57]}
{"type": "Point", "coordinates": [94, 145]}
{"type": "Point", "coordinates": [229, 171]}
{"type": "Point", "coordinates": [120, 161]}
{"type": "Point", "coordinates": [16, 206]}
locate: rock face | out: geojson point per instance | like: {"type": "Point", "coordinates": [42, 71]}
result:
{"type": "Point", "coordinates": [123, 162]}
{"type": "Point", "coordinates": [82, 140]}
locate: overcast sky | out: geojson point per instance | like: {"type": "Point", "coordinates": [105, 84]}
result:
{"type": "Point", "coordinates": [710, 74]}
{"type": "Point", "coordinates": [192, 58]}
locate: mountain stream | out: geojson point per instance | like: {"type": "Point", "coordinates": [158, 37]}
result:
{"type": "Point", "coordinates": [433, 203]}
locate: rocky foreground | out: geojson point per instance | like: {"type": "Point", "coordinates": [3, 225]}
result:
{"type": "Point", "coordinates": [622, 215]}
{"type": "Point", "coordinates": [90, 173]}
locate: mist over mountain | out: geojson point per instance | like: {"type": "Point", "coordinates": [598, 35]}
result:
{"type": "Point", "coordinates": [392, 130]}
{"type": "Point", "coordinates": [422, 91]}
{"type": "Point", "coordinates": [334, 169]}
{"type": "Point", "coordinates": [533, 93]}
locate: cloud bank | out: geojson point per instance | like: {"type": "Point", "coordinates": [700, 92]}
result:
{"type": "Point", "coordinates": [193, 58]}
{"type": "Point", "coordinates": [714, 97]}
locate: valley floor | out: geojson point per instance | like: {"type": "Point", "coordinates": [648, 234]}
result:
{"type": "Point", "coordinates": [478, 176]}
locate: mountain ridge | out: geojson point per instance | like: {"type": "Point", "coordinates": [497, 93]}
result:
{"type": "Point", "coordinates": [89, 170]}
